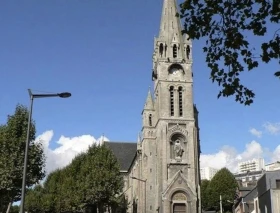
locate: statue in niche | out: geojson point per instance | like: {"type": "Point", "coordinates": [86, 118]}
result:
{"type": "Point", "coordinates": [178, 149]}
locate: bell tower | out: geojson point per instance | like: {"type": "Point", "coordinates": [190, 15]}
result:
{"type": "Point", "coordinates": [170, 133]}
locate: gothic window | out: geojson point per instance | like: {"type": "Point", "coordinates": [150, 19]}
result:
{"type": "Point", "coordinates": [150, 120]}
{"type": "Point", "coordinates": [171, 90]}
{"type": "Point", "coordinates": [188, 51]}
{"type": "Point", "coordinates": [161, 49]}
{"type": "Point", "coordinates": [174, 51]}
{"type": "Point", "coordinates": [134, 206]}
{"type": "Point", "coordinates": [180, 94]}
{"type": "Point", "coordinates": [165, 50]}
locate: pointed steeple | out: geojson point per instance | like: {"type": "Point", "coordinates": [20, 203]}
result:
{"type": "Point", "coordinates": [170, 45]}
{"type": "Point", "coordinates": [170, 24]}
{"type": "Point", "coordinates": [149, 101]}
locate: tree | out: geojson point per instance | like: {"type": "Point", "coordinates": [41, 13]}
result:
{"type": "Point", "coordinates": [14, 209]}
{"type": "Point", "coordinates": [12, 148]}
{"type": "Point", "coordinates": [92, 179]}
{"type": "Point", "coordinates": [104, 181]}
{"type": "Point", "coordinates": [224, 184]}
{"type": "Point", "coordinates": [34, 199]}
{"type": "Point", "coordinates": [226, 25]}
{"type": "Point", "coordinates": [204, 194]}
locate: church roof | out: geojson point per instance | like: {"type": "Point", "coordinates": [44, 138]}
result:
{"type": "Point", "coordinates": [124, 152]}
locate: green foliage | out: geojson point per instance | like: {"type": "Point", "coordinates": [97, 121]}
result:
{"type": "Point", "coordinates": [12, 148]}
{"type": "Point", "coordinates": [14, 209]}
{"type": "Point", "coordinates": [223, 183]}
{"type": "Point", "coordinates": [225, 24]}
{"type": "Point", "coordinates": [92, 179]}
{"type": "Point", "coordinates": [204, 195]}
{"type": "Point", "coordinates": [35, 199]}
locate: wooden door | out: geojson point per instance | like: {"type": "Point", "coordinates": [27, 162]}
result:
{"type": "Point", "coordinates": [179, 208]}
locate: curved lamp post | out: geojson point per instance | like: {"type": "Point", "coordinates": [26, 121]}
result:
{"type": "Point", "coordinates": [145, 200]}
{"type": "Point", "coordinates": [32, 96]}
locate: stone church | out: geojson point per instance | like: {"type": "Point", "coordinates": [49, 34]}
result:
{"type": "Point", "coordinates": [161, 170]}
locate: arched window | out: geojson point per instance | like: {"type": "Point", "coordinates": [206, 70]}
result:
{"type": "Point", "coordinates": [180, 94]}
{"type": "Point", "coordinates": [161, 49]}
{"type": "Point", "coordinates": [174, 51]}
{"type": "Point", "coordinates": [150, 120]}
{"type": "Point", "coordinates": [171, 90]}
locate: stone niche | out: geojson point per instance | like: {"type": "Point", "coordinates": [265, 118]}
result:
{"type": "Point", "coordinates": [177, 135]}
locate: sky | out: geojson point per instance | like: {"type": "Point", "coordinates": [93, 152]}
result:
{"type": "Point", "coordinates": [101, 52]}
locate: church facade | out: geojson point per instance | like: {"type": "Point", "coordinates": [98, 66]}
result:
{"type": "Point", "coordinates": [161, 170]}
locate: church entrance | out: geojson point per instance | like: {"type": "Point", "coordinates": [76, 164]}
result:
{"type": "Point", "coordinates": [179, 203]}
{"type": "Point", "coordinates": [179, 208]}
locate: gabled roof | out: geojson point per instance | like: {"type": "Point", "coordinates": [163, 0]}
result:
{"type": "Point", "coordinates": [124, 152]}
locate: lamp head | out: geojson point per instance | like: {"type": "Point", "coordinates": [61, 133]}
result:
{"type": "Point", "coordinates": [64, 95]}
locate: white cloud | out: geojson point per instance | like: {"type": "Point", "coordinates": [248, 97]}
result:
{"type": "Point", "coordinates": [255, 132]}
{"type": "Point", "coordinates": [276, 154]}
{"type": "Point", "coordinates": [272, 128]}
{"type": "Point", "coordinates": [67, 148]}
{"type": "Point", "coordinates": [229, 157]}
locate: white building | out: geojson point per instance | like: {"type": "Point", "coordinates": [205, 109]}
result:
{"type": "Point", "coordinates": [273, 166]}
{"type": "Point", "coordinates": [251, 165]}
{"type": "Point", "coordinates": [207, 173]}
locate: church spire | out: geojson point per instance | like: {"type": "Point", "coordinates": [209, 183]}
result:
{"type": "Point", "coordinates": [169, 45]}
{"type": "Point", "coordinates": [170, 26]}
{"type": "Point", "coordinates": [149, 101]}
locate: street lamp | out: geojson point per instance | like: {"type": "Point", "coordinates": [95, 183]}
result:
{"type": "Point", "coordinates": [32, 96]}
{"type": "Point", "coordinates": [135, 178]}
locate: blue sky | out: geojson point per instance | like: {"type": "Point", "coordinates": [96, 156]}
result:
{"type": "Point", "coordinates": [101, 52]}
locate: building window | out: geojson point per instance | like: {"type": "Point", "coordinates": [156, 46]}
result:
{"type": "Point", "coordinates": [151, 170]}
{"type": "Point", "coordinates": [277, 184]}
{"type": "Point", "coordinates": [161, 49]}
{"type": "Point", "coordinates": [150, 120]}
{"type": "Point", "coordinates": [151, 187]}
{"type": "Point", "coordinates": [180, 92]}
{"type": "Point", "coordinates": [188, 51]}
{"type": "Point", "coordinates": [171, 101]}
{"type": "Point", "coordinates": [174, 51]}
{"type": "Point", "coordinates": [151, 207]}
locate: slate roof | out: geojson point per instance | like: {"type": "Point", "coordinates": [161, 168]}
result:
{"type": "Point", "coordinates": [248, 173]}
{"type": "Point", "coordinates": [124, 152]}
